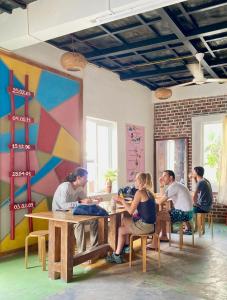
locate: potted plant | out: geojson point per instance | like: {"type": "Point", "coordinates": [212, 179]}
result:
{"type": "Point", "coordinates": [110, 176]}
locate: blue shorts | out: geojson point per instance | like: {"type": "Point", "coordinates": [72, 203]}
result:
{"type": "Point", "coordinates": [178, 215]}
{"type": "Point", "coordinates": [198, 210]}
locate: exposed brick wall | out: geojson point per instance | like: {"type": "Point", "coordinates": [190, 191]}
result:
{"type": "Point", "coordinates": [174, 120]}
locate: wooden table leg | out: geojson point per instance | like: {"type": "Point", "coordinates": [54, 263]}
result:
{"type": "Point", "coordinates": [53, 250]}
{"type": "Point", "coordinates": [60, 250]}
{"type": "Point", "coordinates": [115, 221]}
{"type": "Point", "coordinates": [103, 230]}
{"type": "Point", "coordinates": [67, 251]}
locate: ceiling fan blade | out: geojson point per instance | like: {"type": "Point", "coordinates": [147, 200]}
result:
{"type": "Point", "coordinates": [219, 80]}
{"type": "Point", "coordinates": [196, 71]}
{"type": "Point", "coordinates": [183, 84]}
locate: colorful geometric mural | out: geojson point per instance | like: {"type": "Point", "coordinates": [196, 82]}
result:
{"type": "Point", "coordinates": [56, 132]}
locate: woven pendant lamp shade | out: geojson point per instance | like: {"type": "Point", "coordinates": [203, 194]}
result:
{"type": "Point", "coordinates": [163, 93]}
{"type": "Point", "coordinates": [73, 61]}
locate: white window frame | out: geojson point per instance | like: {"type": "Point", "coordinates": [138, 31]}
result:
{"type": "Point", "coordinates": [198, 123]}
{"type": "Point", "coordinates": [112, 139]}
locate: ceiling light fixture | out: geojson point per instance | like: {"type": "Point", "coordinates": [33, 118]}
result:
{"type": "Point", "coordinates": [73, 61]}
{"type": "Point", "coordinates": [163, 93]}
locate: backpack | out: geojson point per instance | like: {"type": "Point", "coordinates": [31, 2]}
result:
{"type": "Point", "coordinates": [90, 210]}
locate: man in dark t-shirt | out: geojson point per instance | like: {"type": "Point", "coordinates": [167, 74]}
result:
{"type": "Point", "coordinates": [203, 196]}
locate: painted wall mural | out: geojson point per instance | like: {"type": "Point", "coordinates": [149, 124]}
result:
{"type": "Point", "coordinates": [56, 133]}
{"type": "Point", "coordinates": [135, 151]}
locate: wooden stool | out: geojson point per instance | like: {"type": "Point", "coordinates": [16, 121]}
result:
{"type": "Point", "coordinates": [181, 234]}
{"type": "Point", "coordinates": [200, 222]}
{"type": "Point", "coordinates": [41, 235]}
{"type": "Point", "coordinates": [144, 248]}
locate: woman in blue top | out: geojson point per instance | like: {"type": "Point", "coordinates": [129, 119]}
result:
{"type": "Point", "coordinates": [144, 203]}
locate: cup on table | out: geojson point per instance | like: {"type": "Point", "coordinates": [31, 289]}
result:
{"type": "Point", "coordinates": [113, 204]}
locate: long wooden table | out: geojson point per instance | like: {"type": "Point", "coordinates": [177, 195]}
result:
{"type": "Point", "coordinates": [61, 258]}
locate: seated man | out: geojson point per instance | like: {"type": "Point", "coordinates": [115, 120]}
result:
{"type": "Point", "coordinates": [203, 196]}
{"type": "Point", "coordinates": [181, 199]}
{"type": "Point", "coordinates": [68, 195]}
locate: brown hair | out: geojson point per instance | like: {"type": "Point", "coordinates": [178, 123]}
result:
{"type": "Point", "coordinates": [79, 172]}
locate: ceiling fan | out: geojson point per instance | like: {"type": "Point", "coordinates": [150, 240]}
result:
{"type": "Point", "coordinates": [198, 75]}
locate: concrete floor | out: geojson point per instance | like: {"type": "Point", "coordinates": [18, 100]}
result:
{"type": "Point", "coordinates": [190, 274]}
{"type": "Point", "coordinates": [193, 273]}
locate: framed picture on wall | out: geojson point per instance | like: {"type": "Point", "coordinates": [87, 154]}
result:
{"type": "Point", "coordinates": [171, 154]}
{"type": "Point", "coordinates": [135, 151]}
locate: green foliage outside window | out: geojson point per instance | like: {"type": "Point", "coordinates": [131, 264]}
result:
{"type": "Point", "coordinates": [213, 153]}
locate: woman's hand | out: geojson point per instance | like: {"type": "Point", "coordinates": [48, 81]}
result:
{"type": "Point", "coordinates": [97, 200]}
{"type": "Point", "coordinates": [86, 201]}
{"type": "Point", "coordinates": [118, 199]}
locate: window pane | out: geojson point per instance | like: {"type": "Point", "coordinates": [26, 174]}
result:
{"type": "Point", "coordinates": [170, 154]}
{"type": "Point", "coordinates": [91, 141]}
{"type": "Point", "coordinates": [212, 136]}
{"type": "Point", "coordinates": [103, 154]}
{"type": "Point", "coordinates": [91, 184]}
{"type": "Point", "coordinates": [101, 149]}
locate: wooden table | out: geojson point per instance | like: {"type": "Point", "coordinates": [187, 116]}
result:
{"type": "Point", "coordinates": [61, 258]}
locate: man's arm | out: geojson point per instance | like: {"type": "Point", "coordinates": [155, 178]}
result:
{"type": "Point", "coordinates": [161, 199]}
{"type": "Point", "coordinates": [61, 200]}
{"type": "Point", "coordinates": [82, 198]}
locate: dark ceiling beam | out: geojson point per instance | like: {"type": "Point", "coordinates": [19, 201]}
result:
{"type": "Point", "coordinates": [218, 62]}
{"type": "Point", "coordinates": [166, 15]}
{"type": "Point", "coordinates": [153, 62]}
{"type": "Point", "coordinates": [19, 3]}
{"type": "Point", "coordinates": [160, 41]}
{"type": "Point", "coordinates": [217, 49]}
{"type": "Point", "coordinates": [186, 15]}
{"type": "Point", "coordinates": [94, 36]}
{"type": "Point", "coordinates": [150, 28]}
{"type": "Point", "coordinates": [207, 30]}
{"type": "Point", "coordinates": [206, 6]}
{"type": "Point", "coordinates": [212, 54]}
{"type": "Point", "coordinates": [119, 30]}
{"type": "Point", "coordinates": [5, 9]}
{"type": "Point", "coordinates": [121, 41]}
{"type": "Point", "coordinates": [216, 37]}
{"type": "Point", "coordinates": [132, 47]}
{"type": "Point", "coordinates": [145, 83]}
{"type": "Point", "coordinates": [170, 46]}
{"type": "Point", "coordinates": [151, 83]}
{"type": "Point", "coordinates": [149, 74]}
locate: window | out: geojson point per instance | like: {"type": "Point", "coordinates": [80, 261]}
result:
{"type": "Point", "coordinates": [212, 136]}
{"type": "Point", "coordinates": [206, 146]}
{"type": "Point", "coordinates": [101, 152]}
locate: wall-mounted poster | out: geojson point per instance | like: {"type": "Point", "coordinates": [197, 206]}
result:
{"type": "Point", "coordinates": [135, 151]}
